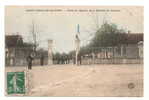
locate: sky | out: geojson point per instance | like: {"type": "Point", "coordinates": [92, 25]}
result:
{"type": "Point", "coordinates": [59, 23]}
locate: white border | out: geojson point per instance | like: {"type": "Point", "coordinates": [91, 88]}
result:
{"type": "Point", "coordinates": [73, 2]}
{"type": "Point", "coordinates": [82, 3]}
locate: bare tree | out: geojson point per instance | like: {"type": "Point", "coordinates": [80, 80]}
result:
{"type": "Point", "coordinates": [34, 32]}
{"type": "Point", "coordinates": [99, 20]}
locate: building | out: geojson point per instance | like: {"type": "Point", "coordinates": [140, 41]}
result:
{"type": "Point", "coordinates": [16, 50]}
{"type": "Point", "coordinates": [129, 47]}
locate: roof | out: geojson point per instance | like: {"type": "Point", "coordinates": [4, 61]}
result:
{"type": "Point", "coordinates": [15, 41]}
{"type": "Point", "coordinates": [134, 38]}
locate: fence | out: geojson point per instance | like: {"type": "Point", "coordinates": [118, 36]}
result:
{"type": "Point", "coordinates": [129, 54]}
{"type": "Point", "coordinates": [113, 55]}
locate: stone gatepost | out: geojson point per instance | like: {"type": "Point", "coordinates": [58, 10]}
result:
{"type": "Point", "coordinates": [77, 44]}
{"type": "Point", "coordinates": [50, 57]}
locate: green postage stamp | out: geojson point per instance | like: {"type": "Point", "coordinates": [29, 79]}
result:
{"type": "Point", "coordinates": [15, 83]}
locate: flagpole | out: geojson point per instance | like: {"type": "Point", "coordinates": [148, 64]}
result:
{"type": "Point", "coordinates": [77, 40]}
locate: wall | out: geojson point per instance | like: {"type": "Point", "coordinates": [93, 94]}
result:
{"type": "Point", "coordinates": [112, 61]}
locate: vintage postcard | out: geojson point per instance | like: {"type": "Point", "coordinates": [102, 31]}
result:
{"type": "Point", "coordinates": [74, 51]}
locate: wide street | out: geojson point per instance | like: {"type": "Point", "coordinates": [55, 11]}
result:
{"type": "Point", "coordinates": [84, 80]}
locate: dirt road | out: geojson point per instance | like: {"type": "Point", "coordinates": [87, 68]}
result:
{"type": "Point", "coordinates": [85, 80]}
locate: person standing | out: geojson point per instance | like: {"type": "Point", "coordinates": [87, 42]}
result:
{"type": "Point", "coordinates": [79, 59]}
{"type": "Point", "coordinates": [42, 60]}
{"type": "Point", "coordinates": [29, 62]}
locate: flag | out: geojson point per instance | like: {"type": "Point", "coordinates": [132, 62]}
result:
{"type": "Point", "coordinates": [78, 28]}
{"type": "Point", "coordinates": [78, 32]}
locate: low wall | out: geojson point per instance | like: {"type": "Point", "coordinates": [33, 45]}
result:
{"type": "Point", "coordinates": [112, 61]}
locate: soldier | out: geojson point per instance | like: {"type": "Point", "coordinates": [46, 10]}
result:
{"type": "Point", "coordinates": [29, 62]}
{"type": "Point", "coordinates": [79, 59]}
{"type": "Point", "coordinates": [42, 60]}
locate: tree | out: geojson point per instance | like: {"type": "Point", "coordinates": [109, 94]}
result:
{"type": "Point", "coordinates": [107, 35]}
{"type": "Point", "coordinates": [34, 33]}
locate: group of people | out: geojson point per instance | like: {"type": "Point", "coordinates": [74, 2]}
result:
{"type": "Point", "coordinates": [30, 59]}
